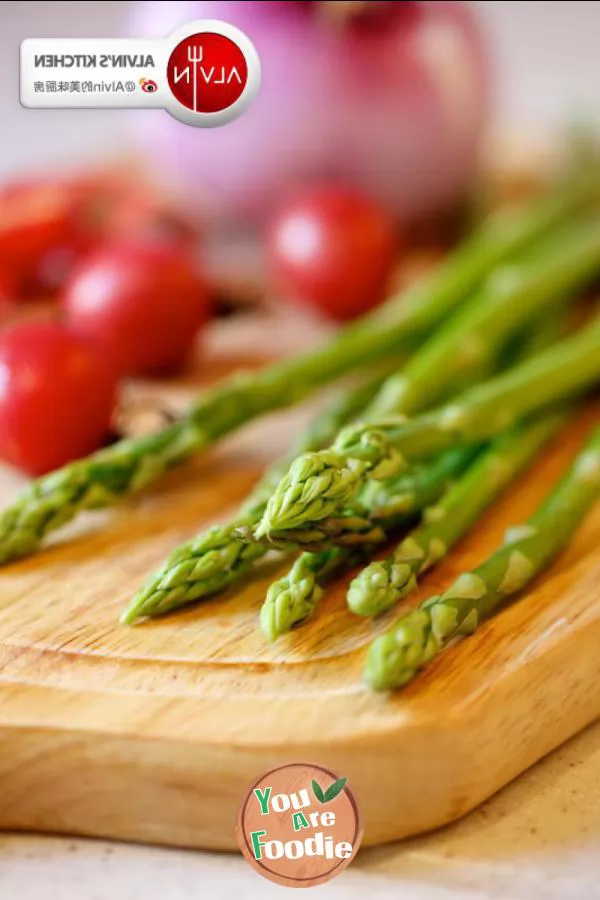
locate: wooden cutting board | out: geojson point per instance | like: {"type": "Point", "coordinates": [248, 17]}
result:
{"type": "Point", "coordinates": [154, 733]}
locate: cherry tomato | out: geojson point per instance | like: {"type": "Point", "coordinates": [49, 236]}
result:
{"type": "Point", "coordinates": [35, 217]}
{"type": "Point", "coordinates": [57, 396]}
{"type": "Point", "coordinates": [42, 228]}
{"type": "Point", "coordinates": [8, 292]}
{"type": "Point", "coordinates": [332, 249]}
{"type": "Point", "coordinates": [137, 213]}
{"type": "Point", "coordinates": [140, 303]}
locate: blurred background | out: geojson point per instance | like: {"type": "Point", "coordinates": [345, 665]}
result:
{"type": "Point", "coordinates": [359, 161]}
{"type": "Point", "coordinates": [544, 54]}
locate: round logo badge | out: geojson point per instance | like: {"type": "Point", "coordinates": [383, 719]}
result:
{"type": "Point", "coordinates": [213, 73]}
{"type": "Point", "coordinates": [299, 825]}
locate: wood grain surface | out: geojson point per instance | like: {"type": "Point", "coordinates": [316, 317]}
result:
{"type": "Point", "coordinates": [154, 733]}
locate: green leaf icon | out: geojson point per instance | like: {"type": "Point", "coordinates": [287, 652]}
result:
{"type": "Point", "coordinates": [334, 789]}
{"type": "Point", "coordinates": [318, 791]}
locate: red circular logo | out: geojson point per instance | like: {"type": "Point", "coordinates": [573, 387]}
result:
{"type": "Point", "coordinates": [207, 72]}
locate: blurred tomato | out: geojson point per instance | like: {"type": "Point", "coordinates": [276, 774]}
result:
{"type": "Point", "coordinates": [48, 224]}
{"type": "Point", "coordinates": [42, 228]}
{"type": "Point", "coordinates": [140, 303]}
{"type": "Point", "coordinates": [139, 214]}
{"type": "Point", "coordinates": [8, 293]}
{"type": "Point", "coordinates": [57, 396]}
{"type": "Point", "coordinates": [332, 249]}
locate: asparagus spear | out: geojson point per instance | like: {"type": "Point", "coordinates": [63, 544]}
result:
{"type": "Point", "coordinates": [103, 477]}
{"type": "Point", "coordinates": [215, 559]}
{"type": "Point", "coordinates": [320, 484]}
{"type": "Point", "coordinates": [295, 597]}
{"type": "Point", "coordinates": [417, 637]}
{"type": "Point", "coordinates": [467, 345]}
{"type": "Point", "coordinates": [368, 522]}
{"type": "Point", "coordinates": [382, 583]}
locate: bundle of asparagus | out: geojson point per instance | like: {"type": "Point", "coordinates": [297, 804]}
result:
{"type": "Point", "coordinates": [488, 386]}
{"type": "Point", "coordinates": [294, 598]}
{"type": "Point", "coordinates": [217, 558]}
{"type": "Point", "coordinates": [338, 504]}
{"type": "Point", "coordinates": [126, 466]}
{"type": "Point", "coordinates": [468, 347]}
{"type": "Point", "coordinates": [320, 484]}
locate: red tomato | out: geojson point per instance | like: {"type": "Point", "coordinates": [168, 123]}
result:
{"type": "Point", "coordinates": [140, 303]}
{"type": "Point", "coordinates": [332, 249]}
{"type": "Point", "coordinates": [42, 229]}
{"type": "Point", "coordinates": [57, 396]}
{"type": "Point", "coordinates": [34, 218]}
{"type": "Point", "coordinates": [137, 214]}
{"type": "Point", "coordinates": [8, 292]}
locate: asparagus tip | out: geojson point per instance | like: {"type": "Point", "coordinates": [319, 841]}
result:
{"type": "Point", "coordinates": [386, 666]}
{"type": "Point", "coordinates": [131, 615]}
{"type": "Point", "coordinates": [394, 658]}
{"type": "Point", "coordinates": [378, 587]}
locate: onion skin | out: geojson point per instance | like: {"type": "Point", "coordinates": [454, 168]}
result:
{"type": "Point", "coordinates": [391, 103]}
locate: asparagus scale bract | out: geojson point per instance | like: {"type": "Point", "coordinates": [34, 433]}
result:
{"type": "Point", "coordinates": [415, 639]}
{"type": "Point", "coordinates": [382, 583]}
{"type": "Point", "coordinates": [124, 467]}
{"type": "Point", "coordinates": [320, 484]}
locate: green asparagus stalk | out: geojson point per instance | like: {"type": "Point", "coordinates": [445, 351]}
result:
{"type": "Point", "coordinates": [514, 295]}
{"type": "Point", "coordinates": [382, 583]}
{"type": "Point", "coordinates": [409, 493]}
{"type": "Point", "coordinates": [379, 586]}
{"type": "Point", "coordinates": [351, 527]}
{"type": "Point", "coordinates": [217, 558]}
{"type": "Point", "coordinates": [417, 637]}
{"type": "Point", "coordinates": [369, 521]}
{"type": "Point", "coordinates": [103, 477]}
{"type": "Point", "coordinates": [318, 485]}
{"type": "Point", "coordinates": [295, 597]}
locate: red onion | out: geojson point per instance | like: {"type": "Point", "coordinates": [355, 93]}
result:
{"type": "Point", "coordinates": [390, 98]}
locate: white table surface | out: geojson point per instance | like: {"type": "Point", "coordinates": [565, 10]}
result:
{"type": "Point", "coordinates": [539, 839]}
